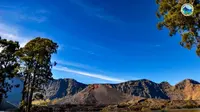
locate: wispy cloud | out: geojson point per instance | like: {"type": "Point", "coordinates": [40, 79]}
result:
{"type": "Point", "coordinates": [99, 12]}
{"type": "Point", "coordinates": [17, 33]}
{"type": "Point", "coordinates": [12, 33]}
{"type": "Point", "coordinates": [79, 66]}
{"type": "Point", "coordinates": [74, 64]}
{"type": "Point", "coordinates": [82, 50]}
{"type": "Point", "coordinates": [94, 75]}
{"type": "Point", "coordinates": [38, 19]}
{"type": "Point", "coordinates": [157, 45]}
{"type": "Point", "coordinates": [7, 6]}
{"type": "Point", "coordinates": [38, 16]}
{"type": "Point", "coordinates": [23, 13]}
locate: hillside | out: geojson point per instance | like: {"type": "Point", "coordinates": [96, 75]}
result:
{"type": "Point", "coordinates": [97, 94]}
{"type": "Point", "coordinates": [187, 89]}
{"type": "Point", "coordinates": [149, 104]}
{"type": "Point", "coordinates": [115, 93]}
{"type": "Point", "coordinates": [62, 87]}
{"type": "Point", "coordinates": [74, 91]}
{"type": "Point", "coordinates": [143, 88]}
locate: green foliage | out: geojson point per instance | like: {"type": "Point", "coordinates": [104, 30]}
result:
{"type": "Point", "coordinates": [8, 65]}
{"type": "Point", "coordinates": [169, 13]}
{"type": "Point", "coordinates": [36, 66]}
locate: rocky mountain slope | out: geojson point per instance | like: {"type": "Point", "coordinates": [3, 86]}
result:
{"type": "Point", "coordinates": [62, 87]}
{"type": "Point", "coordinates": [185, 90]}
{"type": "Point", "coordinates": [143, 88]}
{"type": "Point", "coordinates": [98, 94]}
{"type": "Point", "coordinates": [57, 88]}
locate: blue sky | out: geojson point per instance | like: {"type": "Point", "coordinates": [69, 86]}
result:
{"type": "Point", "coordinates": [101, 41]}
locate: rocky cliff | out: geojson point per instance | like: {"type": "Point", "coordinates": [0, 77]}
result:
{"type": "Point", "coordinates": [143, 88]}
{"type": "Point", "coordinates": [62, 87]}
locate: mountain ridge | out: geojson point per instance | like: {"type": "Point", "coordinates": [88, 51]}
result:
{"type": "Point", "coordinates": [187, 89]}
{"type": "Point", "coordinates": [146, 88]}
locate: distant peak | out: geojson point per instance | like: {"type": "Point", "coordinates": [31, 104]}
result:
{"type": "Point", "coordinates": [165, 83]}
{"type": "Point", "coordinates": [190, 81]}
{"type": "Point", "coordinates": [140, 80]}
{"type": "Point", "coordinates": [146, 80]}
{"type": "Point", "coordinates": [67, 79]}
{"type": "Point", "coordinates": [186, 82]}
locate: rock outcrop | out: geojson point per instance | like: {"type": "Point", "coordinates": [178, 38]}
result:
{"type": "Point", "coordinates": [142, 88]}
{"type": "Point", "coordinates": [62, 87]}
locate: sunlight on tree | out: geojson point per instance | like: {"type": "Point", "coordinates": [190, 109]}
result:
{"type": "Point", "coordinates": [36, 67]}
{"type": "Point", "coordinates": [169, 13]}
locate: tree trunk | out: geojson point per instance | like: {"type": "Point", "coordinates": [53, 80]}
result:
{"type": "Point", "coordinates": [1, 98]}
{"type": "Point", "coordinates": [31, 94]}
{"type": "Point", "coordinates": [25, 90]}
{"type": "Point", "coordinates": [22, 107]}
{"type": "Point", "coordinates": [28, 92]}
{"type": "Point", "coordinates": [30, 100]}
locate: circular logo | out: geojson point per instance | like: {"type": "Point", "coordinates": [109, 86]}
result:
{"type": "Point", "coordinates": [187, 9]}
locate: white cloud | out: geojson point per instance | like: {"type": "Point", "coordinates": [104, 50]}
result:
{"type": "Point", "coordinates": [77, 65]}
{"type": "Point", "coordinates": [94, 75]}
{"type": "Point", "coordinates": [80, 66]}
{"type": "Point", "coordinates": [12, 33]}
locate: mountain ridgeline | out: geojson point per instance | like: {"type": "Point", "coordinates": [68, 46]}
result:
{"type": "Point", "coordinates": [72, 91]}
{"type": "Point", "coordinates": [186, 90]}
{"type": "Point", "coordinates": [135, 94]}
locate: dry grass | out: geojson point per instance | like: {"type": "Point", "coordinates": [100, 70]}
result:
{"type": "Point", "coordinates": [41, 102]}
{"type": "Point", "coordinates": [56, 101]}
{"type": "Point", "coordinates": [46, 102]}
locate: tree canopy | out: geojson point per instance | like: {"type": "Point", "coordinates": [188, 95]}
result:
{"type": "Point", "coordinates": [169, 13]}
{"type": "Point", "coordinates": [8, 65]}
{"type": "Point", "coordinates": [32, 63]}
{"type": "Point", "coordinates": [36, 67]}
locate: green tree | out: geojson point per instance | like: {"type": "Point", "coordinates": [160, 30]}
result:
{"type": "Point", "coordinates": [169, 13]}
{"type": "Point", "coordinates": [8, 65]}
{"type": "Point", "coordinates": [36, 67]}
